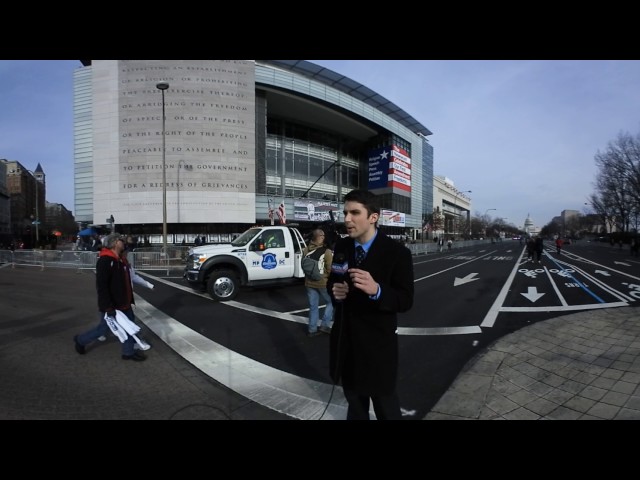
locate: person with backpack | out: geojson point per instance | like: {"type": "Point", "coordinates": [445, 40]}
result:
{"type": "Point", "coordinates": [316, 263]}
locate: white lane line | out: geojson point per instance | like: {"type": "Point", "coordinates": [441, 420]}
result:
{"type": "Point", "coordinates": [439, 330]}
{"type": "Point", "coordinates": [492, 314]}
{"type": "Point", "coordinates": [451, 268]}
{"type": "Point", "coordinates": [305, 320]}
{"type": "Point", "coordinates": [607, 288]}
{"type": "Point", "coordinates": [270, 313]}
{"type": "Point", "coordinates": [555, 287]}
{"type": "Point", "coordinates": [559, 308]}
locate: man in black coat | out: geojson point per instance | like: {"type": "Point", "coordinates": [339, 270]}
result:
{"type": "Point", "coordinates": [368, 294]}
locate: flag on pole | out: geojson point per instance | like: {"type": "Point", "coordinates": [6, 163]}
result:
{"type": "Point", "coordinates": [427, 227]}
{"type": "Point", "coordinates": [270, 212]}
{"type": "Point", "coordinates": [282, 215]}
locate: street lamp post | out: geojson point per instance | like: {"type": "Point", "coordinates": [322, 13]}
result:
{"type": "Point", "coordinates": [37, 223]}
{"type": "Point", "coordinates": [485, 216]}
{"type": "Point", "coordinates": [162, 86]}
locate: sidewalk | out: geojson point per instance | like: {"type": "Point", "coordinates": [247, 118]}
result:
{"type": "Point", "coordinates": [581, 366]}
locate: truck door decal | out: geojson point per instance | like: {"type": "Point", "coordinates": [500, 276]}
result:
{"type": "Point", "coordinates": [269, 261]}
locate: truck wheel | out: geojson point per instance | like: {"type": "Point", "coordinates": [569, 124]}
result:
{"type": "Point", "coordinates": [223, 285]}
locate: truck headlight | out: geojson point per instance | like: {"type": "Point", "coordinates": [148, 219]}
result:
{"type": "Point", "coordinates": [196, 260]}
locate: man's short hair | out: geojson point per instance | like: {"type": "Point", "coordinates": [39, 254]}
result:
{"type": "Point", "coordinates": [370, 200]}
{"type": "Point", "coordinates": [111, 239]}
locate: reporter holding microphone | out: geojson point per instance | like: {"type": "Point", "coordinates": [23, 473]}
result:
{"type": "Point", "coordinates": [371, 282]}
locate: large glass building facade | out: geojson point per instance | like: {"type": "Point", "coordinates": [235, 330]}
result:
{"type": "Point", "coordinates": [240, 138]}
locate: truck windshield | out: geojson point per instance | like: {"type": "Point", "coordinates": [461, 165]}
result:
{"type": "Point", "coordinates": [246, 237]}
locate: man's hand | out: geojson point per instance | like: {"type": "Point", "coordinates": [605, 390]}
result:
{"type": "Point", "coordinates": [340, 290]}
{"type": "Point", "coordinates": [363, 280]}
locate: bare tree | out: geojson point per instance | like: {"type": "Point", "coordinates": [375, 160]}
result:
{"type": "Point", "coordinates": [617, 185]}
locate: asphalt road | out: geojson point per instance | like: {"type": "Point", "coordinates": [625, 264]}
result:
{"type": "Point", "coordinates": [464, 300]}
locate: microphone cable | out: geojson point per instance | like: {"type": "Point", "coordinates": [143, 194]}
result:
{"type": "Point", "coordinates": [333, 386]}
{"type": "Point", "coordinates": [340, 303]}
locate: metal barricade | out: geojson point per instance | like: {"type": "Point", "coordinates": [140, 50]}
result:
{"type": "Point", "coordinates": [155, 260]}
{"type": "Point", "coordinates": [28, 258]}
{"type": "Point", "coordinates": [80, 260]}
{"type": "Point", "coordinates": [146, 259]}
{"type": "Point", "coordinates": [6, 257]}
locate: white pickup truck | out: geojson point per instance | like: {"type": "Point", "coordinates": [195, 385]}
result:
{"type": "Point", "coordinates": [269, 255]}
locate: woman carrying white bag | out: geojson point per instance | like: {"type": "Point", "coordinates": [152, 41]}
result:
{"type": "Point", "coordinates": [115, 292]}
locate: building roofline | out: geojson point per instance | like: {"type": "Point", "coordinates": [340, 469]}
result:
{"type": "Point", "coordinates": [353, 89]}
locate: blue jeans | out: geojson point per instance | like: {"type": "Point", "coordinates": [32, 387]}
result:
{"type": "Point", "coordinates": [103, 329]}
{"type": "Point", "coordinates": [314, 294]}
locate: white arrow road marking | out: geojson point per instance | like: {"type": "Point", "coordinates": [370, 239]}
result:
{"type": "Point", "coordinates": [622, 263]}
{"type": "Point", "coordinates": [532, 294]}
{"type": "Point", "coordinates": [467, 279]}
{"type": "Point", "coordinates": [603, 272]}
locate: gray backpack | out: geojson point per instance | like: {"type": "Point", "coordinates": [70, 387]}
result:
{"type": "Point", "coordinates": [313, 264]}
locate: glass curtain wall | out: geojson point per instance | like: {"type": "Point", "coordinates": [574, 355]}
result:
{"type": "Point", "coordinates": [307, 157]}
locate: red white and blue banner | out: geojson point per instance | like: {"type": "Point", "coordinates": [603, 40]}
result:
{"type": "Point", "coordinates": [389, 167]}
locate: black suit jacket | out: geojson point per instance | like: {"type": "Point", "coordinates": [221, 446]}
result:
{"type": "Point", "coordinates": [364, 342]}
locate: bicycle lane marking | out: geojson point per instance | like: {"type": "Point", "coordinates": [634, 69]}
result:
{"type": "Point", "coordinates": [498, 305]}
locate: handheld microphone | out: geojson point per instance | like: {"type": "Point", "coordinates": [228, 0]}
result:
{"type": "Point", "coordinates": [340, 265]}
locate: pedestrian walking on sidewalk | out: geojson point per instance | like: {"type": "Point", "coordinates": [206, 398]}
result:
{"type": "Point", "coordinates": [115, 292]}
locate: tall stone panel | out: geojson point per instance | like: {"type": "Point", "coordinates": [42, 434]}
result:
{"type": "Point", "coordinates": [209, 136]}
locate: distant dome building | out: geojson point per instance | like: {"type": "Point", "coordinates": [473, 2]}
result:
{"type": "Point", "coordinates": [529, 228]}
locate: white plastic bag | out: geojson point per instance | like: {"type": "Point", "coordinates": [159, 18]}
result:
{"type": "Point", "coordinates": [116, 329]}
{"type": "Point", "coordinates": [131, 328]}
{"type": "Point", "coordinates": [120, 325]}
{"type": "Point", "coordinates": [126, 324]}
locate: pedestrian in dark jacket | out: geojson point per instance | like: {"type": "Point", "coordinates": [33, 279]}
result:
{"type": "Point", "coordinates": [539, 247]}
{"type": "Point", "coordinates": [369, 289]}
{"type": "Point", "coordinates": [531, 246]}
{"type": "Point", "coordinates": [115, 292]}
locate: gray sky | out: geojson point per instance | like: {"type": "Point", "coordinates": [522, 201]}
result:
{"type": "Point", "coordinates": [521, 135]}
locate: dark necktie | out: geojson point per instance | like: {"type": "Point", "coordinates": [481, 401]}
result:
{"type": "Point", "coordinates": [359, 256]}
